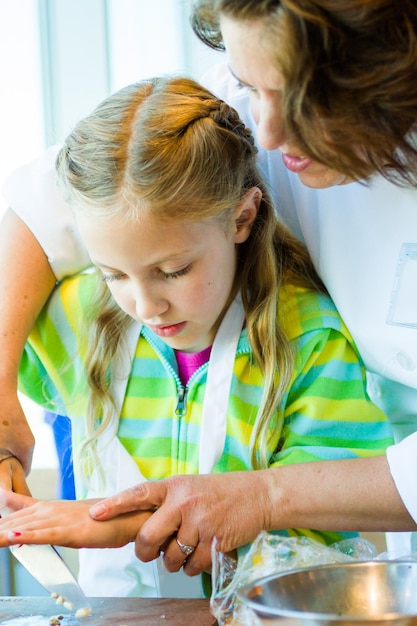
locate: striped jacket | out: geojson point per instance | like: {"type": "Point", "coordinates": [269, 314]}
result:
{"type": "Point", "coordinates": [327, 413]}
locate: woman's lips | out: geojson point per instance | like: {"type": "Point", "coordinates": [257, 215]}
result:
{"type": "Point", "coordinates": [168, 331]}
{"type": "Point", "coordinates": [295, 164]}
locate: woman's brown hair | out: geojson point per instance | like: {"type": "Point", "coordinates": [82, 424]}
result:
{"type": "Point", "coordinates": [350, 77]}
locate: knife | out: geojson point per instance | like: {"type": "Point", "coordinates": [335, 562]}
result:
{"type": "Point", "coordinates": [48, 567]}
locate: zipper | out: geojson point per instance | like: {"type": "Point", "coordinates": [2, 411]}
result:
{"type": "Point", "coordinates": [181, 408]}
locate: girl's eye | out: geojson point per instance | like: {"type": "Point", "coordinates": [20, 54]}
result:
{"type": "Point", "coordinates": [178, 273]}
{"type": "Point", "coordinates": [109, 278]}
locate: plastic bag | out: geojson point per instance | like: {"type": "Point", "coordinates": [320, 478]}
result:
{"type": "Point", "coordinates": [272, 554]}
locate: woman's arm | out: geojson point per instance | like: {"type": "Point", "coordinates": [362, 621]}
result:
{"type": "Point", "coordinates": [27, 281]}
{"type": "Point", "coordinates": [25, 287]}
{"type": "Point", "coordinates": [347, 494]}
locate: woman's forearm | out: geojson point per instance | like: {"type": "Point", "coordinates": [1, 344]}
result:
{"type": "Point", "coordinates": [24, 288]}
{"type": "Point", "coordinates": [344, 495]}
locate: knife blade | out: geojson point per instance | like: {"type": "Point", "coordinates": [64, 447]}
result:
{"type": "Point", "coordinates": [48, 567]}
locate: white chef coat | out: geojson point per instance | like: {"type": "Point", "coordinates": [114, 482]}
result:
{"type": "Point", "coordinates": [363, 241]}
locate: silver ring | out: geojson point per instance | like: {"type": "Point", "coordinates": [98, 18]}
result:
{"type": "Point", "coordinates": [186, 550]}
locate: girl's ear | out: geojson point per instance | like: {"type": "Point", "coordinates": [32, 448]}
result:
{"type": "Point", "coordinates": [246, 213]}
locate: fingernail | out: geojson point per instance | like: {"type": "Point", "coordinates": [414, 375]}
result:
{"type": "Point", "coordinates": [13, 533]}
{"type": "Point", "coordinates": [97, 510]}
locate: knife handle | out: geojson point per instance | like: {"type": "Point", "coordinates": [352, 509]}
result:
{"type": "Point", "coordinates": [4, 510]}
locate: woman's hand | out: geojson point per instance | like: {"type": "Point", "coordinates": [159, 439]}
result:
{"type": "Point", "coordinates": [194, 509]}
{"type": "Point", "coordinates": [63, 523]}
{"type": "Point", "coordinates": [355, 494]}
{"type": "Point", "coordinates": [16, 444]}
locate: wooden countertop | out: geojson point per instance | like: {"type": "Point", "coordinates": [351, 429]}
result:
{"type": "Point", "coordinates": [37, 611]}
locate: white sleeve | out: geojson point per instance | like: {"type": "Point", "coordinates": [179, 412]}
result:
{"type": "Point", "coordinates": [32, 192]}
{"type": "Point", "coordinates": [402, 460]}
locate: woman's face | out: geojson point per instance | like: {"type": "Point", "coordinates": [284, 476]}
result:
{"type": "Point", "coordinates": [252, 63]}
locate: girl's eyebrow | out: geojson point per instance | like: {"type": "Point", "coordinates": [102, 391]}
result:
{"type": "Point", "coordinates": [102, 266]}
{"type": "Point", "coordinates": [167, 259]}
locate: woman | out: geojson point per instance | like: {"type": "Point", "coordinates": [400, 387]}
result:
{"type": "Point", "coordinates": [349, 69]}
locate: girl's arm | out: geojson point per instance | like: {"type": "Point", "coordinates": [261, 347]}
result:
{"type": "Point", "coordinates": [25, 286]}
{"type": "Point", "coordinates": [63, 523]}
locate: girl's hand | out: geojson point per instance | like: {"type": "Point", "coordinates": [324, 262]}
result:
{"type": "Point", "coordinates": [63, 523]}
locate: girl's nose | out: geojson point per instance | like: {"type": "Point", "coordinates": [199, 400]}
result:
{"type": "Point", "coordinates": [149, 305]}
{"type": "Point", "coordinates": [270, 124]}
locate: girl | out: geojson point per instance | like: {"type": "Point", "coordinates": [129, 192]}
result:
{"type": "Point", "coordinates": [331, 93]}
{"type": "Point", "coordinates": [203, 342]}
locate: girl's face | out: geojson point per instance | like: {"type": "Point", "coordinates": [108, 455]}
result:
{"type": "Point", "coordinates": [174, 277]}
{"type": "Point", "coordinates": [252, 63]}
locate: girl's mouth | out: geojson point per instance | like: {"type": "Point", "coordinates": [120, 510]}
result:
{"type": "Point", "coordinates": [168, 331]}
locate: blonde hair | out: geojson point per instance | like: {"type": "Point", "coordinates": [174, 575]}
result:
{"type": "Point", "coordinates": [349, 70]}
{"type": "Point", "coordinates": [170, 147]}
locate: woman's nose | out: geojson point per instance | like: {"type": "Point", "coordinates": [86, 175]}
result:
{"type": "Point", "coordinates": [270, 130]}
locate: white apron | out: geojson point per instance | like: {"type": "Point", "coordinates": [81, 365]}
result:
{"type": "Point", "coordinates": [117, 571]}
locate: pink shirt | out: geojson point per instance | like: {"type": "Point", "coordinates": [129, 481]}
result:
{"type": "Point", "coordinates": [188, 363]}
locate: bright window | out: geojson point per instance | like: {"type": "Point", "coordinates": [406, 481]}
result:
{"type": "Point", "coordinates": [21, 119]}
{"type": "Point", "coordinates": [151, 38]}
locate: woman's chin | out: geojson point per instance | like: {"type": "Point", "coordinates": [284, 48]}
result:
{"type": "Point", "coordinates": [319, 176]}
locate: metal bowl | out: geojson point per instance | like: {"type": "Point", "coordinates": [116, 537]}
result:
{"type": "Point", "coordinates": [351, 594]}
